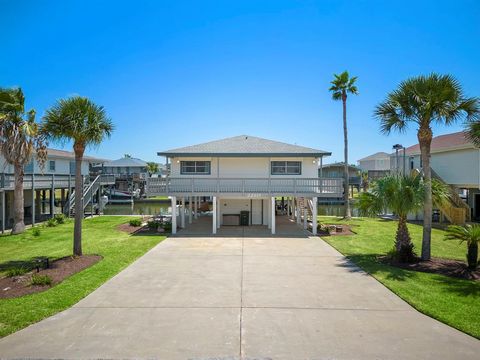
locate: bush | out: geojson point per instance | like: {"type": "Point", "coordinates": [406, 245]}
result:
{"type": "Point", "coordinates": [41, 280]}
{"type": "Point", "coordinates": [51, 223]}
{"type": "Point", "coordinates": [153, 225]}
{"type": "Point", "coordinates": [36, 231]}
{"type": "Point", "coordinates": [16, 271]}
{"type": "Point", "coordinates": [60, 218]}
{"type": "Point", "coordinates": [166, 226]}
{"type": "Point", "coordinates": [135, 222]}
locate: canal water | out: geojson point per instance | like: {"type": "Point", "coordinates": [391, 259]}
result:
{"type": "Point", "coordinates": [158, 208]}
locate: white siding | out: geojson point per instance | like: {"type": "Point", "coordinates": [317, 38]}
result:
{"type": "Point", "coordinates": [62, 166]}
{"type": "Point", "coordinates": [459, 167]}
{"type": "Point", "coordinates": [251, 167]}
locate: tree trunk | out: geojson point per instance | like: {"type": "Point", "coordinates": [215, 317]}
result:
{"type": "Point", "coordinates": [403, 241]}
{"type": "Point", "coordinates": [18, 202]}
{"type": "Point", "coordinates": [425, 140]}
{"type": "Point", "coordinates": [348, 213]}
{"type": "Point", "coordinates": [472, 255]}
{"type": "Point", "coordinates": [77, 230]}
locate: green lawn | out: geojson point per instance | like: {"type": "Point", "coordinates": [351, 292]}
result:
{"type": "Point", "coordinates": [100, 236]}
{"type": "Point", "coordinates": [450, 300]}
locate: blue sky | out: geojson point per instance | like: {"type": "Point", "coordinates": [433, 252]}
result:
{"type": "Point", "coordinates": [176, 73]}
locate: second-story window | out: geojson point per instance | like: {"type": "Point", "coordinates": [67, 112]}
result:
{"type": "Point", "coordinates": [286, 167]}
{"type": "Point", "coordinates": [51, 165]}
{"type": "Point", "coordinates": [195, 167]}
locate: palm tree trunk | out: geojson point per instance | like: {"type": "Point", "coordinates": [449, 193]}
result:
{"type": "Point", "coordinates": [18, 202]}
{"type": "Point", "coordinates": [77, 230]}
{"type": "Point", "coordinates": [403, 235]}
{"type": "Point", "coordinates": [425, 140]}
{"type": "Point", "coordinates": [348, 213]}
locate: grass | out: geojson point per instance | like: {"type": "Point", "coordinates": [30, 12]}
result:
{"type": "Point", "coordinates": [100, 236]}
{"type": "Point", "coordinates": [450, 300]}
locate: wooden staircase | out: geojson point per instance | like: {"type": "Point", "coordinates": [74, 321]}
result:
{"type": "Point", "coordinates": [454, 209]}
{"type": "Point", "coordinates": [302, 204]}
{"type": "Point", "coordinates": [89, 189]}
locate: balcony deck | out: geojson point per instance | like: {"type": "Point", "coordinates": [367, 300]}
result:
{"type": "Point", "coordinates": [47, 181]}
{"type": "Point", "coordinates": [245, 187]}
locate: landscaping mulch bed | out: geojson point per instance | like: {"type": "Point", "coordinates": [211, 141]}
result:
{"type": "Point", "coordinates": [346, 230]}
{"type": "Point", "coordinates": [15, 286]}
{"type": "Point", "coordinates": [452, 268]}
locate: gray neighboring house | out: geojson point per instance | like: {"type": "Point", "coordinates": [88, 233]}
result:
{"type": "Point", "coordinates": [377, 165]}
{"type": "Point", "coordinates": [123, 166]}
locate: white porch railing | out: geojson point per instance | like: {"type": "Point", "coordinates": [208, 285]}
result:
{"type": "Point", "coordinates": [332, 187]}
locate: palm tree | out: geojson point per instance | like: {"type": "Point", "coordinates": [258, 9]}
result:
{"type": "Point", "coordinates": [343, 85]}
{"type": "Point", "coordinates": [473, 132]}
{"type": "Point", "coordinates": [19, 141]}
{"type": "Point", "coordinates": [469, 234]}
{"type": "Point", "coordinates": [152, 167]}
{"type": "Point", "coordinates": [365, 180]}
{"type": "Point", "coordinates": [79, 120]}
{"type": "Point", "coordinates": [402, 194]}
{"type": "Point", "coordinates": [426, 100]}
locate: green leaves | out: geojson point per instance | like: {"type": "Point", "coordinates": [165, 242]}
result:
{"type": "Point", "coordinates": [342, 85]}
{"type": "Point", "coordinates": [78, 119]}
{"type": "Point", "coordinates": [468, 233]}
{"type": "Point", "coordinates": [423, 100]}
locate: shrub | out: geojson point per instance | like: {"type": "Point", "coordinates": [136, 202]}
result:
{"type": "Point", "coordinates": [135, 222]}
{"type": "Point", "coordinates": [36, 231]}
{"type": "Point", "coordinates": [153, 225]}
{"type": "Point", "coordinates": [41, 280]}
{"type": "Point", "coordinates": [17, 271]}
{"type": "Point", "coordinates": [167, 227]}
{"type": "Point", "coordinates": [51, 223]}
{"type": "Point", "coordinates": [60, 218]}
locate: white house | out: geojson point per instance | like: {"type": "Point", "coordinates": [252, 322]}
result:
{"type": "Point", "coordinates": [244, 173]}
{"type": "Point", "coordinates": [123, 166]}
{"type": "Point", "coordinates": [377, 161]}
{"type": "Point", "coordinates": [456, 161]}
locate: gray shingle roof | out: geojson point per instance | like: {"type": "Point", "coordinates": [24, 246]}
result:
{"type": "Point", "coordinates": [123, 162]}
{"type": "Point", "coordinates": [378, 155]}
{"type": "Point", "coordinates": [244, 146]}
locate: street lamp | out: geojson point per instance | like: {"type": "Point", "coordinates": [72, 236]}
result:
{"type": "Point", "coordinates": [397, 147]}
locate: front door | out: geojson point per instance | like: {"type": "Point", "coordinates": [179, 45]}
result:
{"type": "Point", "coordinates": [257, 212]}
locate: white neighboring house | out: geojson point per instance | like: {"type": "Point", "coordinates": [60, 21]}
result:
{"type": "Point", "coordinates": [57, 174]}
{"type": "Point", "coordinates": [456, 161]}
{"type": "Point", "coordinates": [377, 165]}
{"type": "Point", "coordinates": [244, 173]}
{"type": "Point", "coordinates": [124, 166]}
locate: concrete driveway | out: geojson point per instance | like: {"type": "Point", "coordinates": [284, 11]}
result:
{"type": "Point", "coordinates": [241, 298]}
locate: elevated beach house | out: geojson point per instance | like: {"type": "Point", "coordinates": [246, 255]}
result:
{"type": "Point", "coordinates": [47, 191]}
{"type": "Point", "coordinates": [244, 175]}
{"type": "Point", "coordinates": [455, 161]}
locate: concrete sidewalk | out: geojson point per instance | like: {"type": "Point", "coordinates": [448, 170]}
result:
{"type": "Point", "coordinates": [241, 298]}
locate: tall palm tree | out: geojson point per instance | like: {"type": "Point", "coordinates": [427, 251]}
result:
{"type": "Point", "coordinates": [19, 141]}
{"type": "Point", "coordinates": [401, 194]}
{"type": "Point", "coordinates": [342, 85]}
{"type": "Point", "coordinates": [424, 101]}
{"type": "Point", "coordinates": [79, 120]}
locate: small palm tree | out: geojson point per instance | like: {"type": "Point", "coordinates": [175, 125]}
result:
{"type": "Point", "coordinates": [152, 168]}
{"type": "Point", "coordinates": [424, 101]}
{"type": "Point", "coordinates": [19, 141]}
{"type": "Point", "coordinates": [365, 180]}
{"type": "Point", "coordinates": [342, 85]}
{"type": "Point", "coordinates": [402, 194]}
{"type": "Point", "coordinates": [80, 120]}
{"type": "Point", "coordinates": [469, 234]}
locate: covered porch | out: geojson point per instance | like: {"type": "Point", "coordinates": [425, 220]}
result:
{"type": "Point", "coordinates": [245, 216]}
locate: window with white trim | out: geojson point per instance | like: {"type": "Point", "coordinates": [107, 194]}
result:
{"type": "Point", "coordinates": [286, 167]}
{"type": "Point", "coordinates": [51, 165]}
{"type": "Point", "coordinates": [195, 167]}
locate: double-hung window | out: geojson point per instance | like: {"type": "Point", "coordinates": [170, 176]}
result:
{"type": "Point", "coordinates": [195, 167]}
{"type": "Point", "coordinates": [286, 167]}
{"type": "Point", "coordinates": [51, 165]}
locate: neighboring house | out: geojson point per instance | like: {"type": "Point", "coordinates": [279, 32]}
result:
{"type": "Point", "coordinates": [244, 173]}
{"type": "Point", "coordinates": [377, 165]}
{"type": "Point", "coordinates": [454, 160]}
{"type": "Point", "coordinates": [123, 166]}
{"type": "Point", "coordinates": [336, 170]}
{"type": "Point", "coordinates": [57, 176]}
